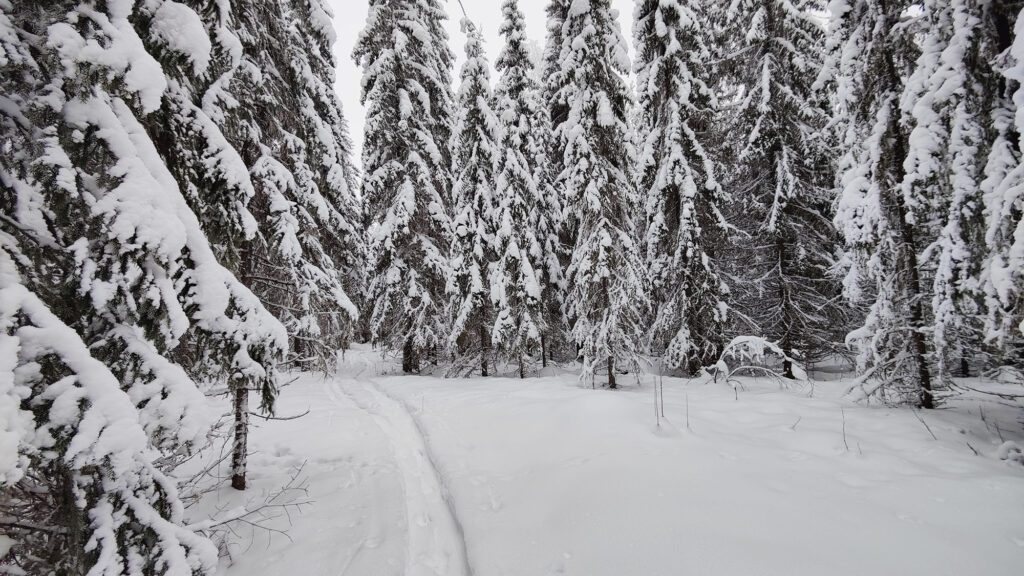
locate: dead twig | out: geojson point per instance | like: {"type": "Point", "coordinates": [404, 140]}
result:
{"type": "Point", "coordinates": [279, 418]}
{"type": "Point", "coordinates": [927, 427]}
{"type": "Point", "coordinates": [845, 443]}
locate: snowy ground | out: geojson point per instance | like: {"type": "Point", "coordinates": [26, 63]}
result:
{"type": "Point", "coordinates": [505, 477]}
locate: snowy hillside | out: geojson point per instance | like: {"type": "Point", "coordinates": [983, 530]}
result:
{"type": "Point", "coordinates": [504, 477]}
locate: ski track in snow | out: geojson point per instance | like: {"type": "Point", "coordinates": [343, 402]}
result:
{"type": "Point", "coordinates": [436, 544]}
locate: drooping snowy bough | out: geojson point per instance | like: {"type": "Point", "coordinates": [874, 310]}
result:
{"type": "Point", "coordinates": [114, 305]}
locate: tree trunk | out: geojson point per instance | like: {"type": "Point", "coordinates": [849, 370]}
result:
{"type": "Point", "coordinates": [611, 373]}
{"type": "Point", "coordinates": [485, 349]}
{"type": "Point", "coordinates": [787, 364]}
{"type": "Point", "coordinates": [241, 441]}
{"type": "Point", "coordinates": [965, 367]}
{"type": "Point", "coordinates": [693, 366]}
{"type": "Point", "coordinates": [543, 352]}
{"type": "Point", "coordinates": [522, 367]}
{"type": "Point", "coordinates": [913, 295]}
{"type": "Point", "coordinates": [927, 400]}
{"type": "Point", "coordinates": [786, 302]}
{"type": "Point", "coordinates": [906, 260]}
{"type": "Point", "coordinates": [410, 363]}
{"type": "Point", "coordinates": [787, 369]}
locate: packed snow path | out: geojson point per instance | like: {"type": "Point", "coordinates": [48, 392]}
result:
{"type": "Point", "coordinates": [436, 545]}
{"type": "Point", "coordinates": [549, 479]}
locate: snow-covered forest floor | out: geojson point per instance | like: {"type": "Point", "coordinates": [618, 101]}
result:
{"type": "Point", "coordinates": [537, 477]}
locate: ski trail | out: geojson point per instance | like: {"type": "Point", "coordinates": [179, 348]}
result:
{"type": "Point", "coordinates": [435, 540]}
{"type": "Point", "coordinates": [381, 549]}
{"type": "Point", "coordinates": [442, 479]}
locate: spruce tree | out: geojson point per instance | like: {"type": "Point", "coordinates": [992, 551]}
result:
{"type": "Point", "coordinates": [279, 110]}
{"type": "Point", "coordinates": [474, 242]}
{"type": "Point", "coordinates": [554, 91]}
{"type": "Point", "coordinates": [257, 139]}
{"type": "Point", "coordinates": [605, 275]}
{"type": "Point", "coordinates": [551, 67]}
{"type": "Point", "coordinates": [558, 220]}
{"type": "Point", "coordinates": [406, 174]}
{"type": "Point", "coordinates": [871, 57]}
{"type": "Point", "coordinates": [1002, 273]}
{"type": "Point", "coordinates": [526, 281]}
{"type": "Point", "coordinates": [950, 100]}
{"type": "Point", "coordinates": [439, 90]}
{"type": "Point", "coordinates": [781, 180]}
{"type": "Point", "coordinates": [114, 304]}
{"type": "Point", "coordinates": [677, 178]}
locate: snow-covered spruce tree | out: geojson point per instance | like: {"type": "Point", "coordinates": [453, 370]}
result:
{"type": "Point", "coordinates": [605, 276]}
{"type": "Point", "coordinates": [279, 110]}
{"type": "Point", "coordinates": [113, 302]}
{"type": "Point", "coordinates": [79, 488]}
{"type": "Point", "coordinates": [548, 70]}
{"type": "Point", "coordinates": [871, 55]}
{"type": "Point", "coordinates": [554, 91]}
{"type": "Point", "coordinates": [677, 179]}
{"type": "Point", "coordinates": [260, 146]}
{"type": "Point", "coordinates": [406, 174]}
{"type": "Point", "coordinates": [1002, 274]}
{"type": "Point", "coordinates": [442, 101]}
{"type": "Point", "coordinates": [474, 241]}
{"type": "Point", "coordinates": [551, 67]}
{"type": "Point", "coordinates": [526, 279]}
{"type": "Point", "coordinates": [950, 100]}
{"type": "Point", "coordinates": [781, 180]}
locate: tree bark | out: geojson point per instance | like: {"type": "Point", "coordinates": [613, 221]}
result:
{"type": "Point", "coordinates": [611, 373]}
{"type": "Point", "coordinates": [543, 352]}
{"type": "Point", "coordinates": [913, 295]}
{"type": "Point", "coordinates": [410, 362]}
{"type": "Point", "coordinates": [908, 257]}
{"type": "Point", "coordinates": [693, 365]}
{"type": "Point", "coordinates": [241, 440]}
{"type": "Point", "coordinates": [485, 349]}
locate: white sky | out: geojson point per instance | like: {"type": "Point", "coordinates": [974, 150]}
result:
{"type": "Point", "coordinates": [350, 16]}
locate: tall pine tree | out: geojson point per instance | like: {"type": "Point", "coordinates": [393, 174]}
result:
{"type": "Point", "coordinates": [677, 177]}
{"type": "Point", "coordinates": [1002, 274]}
{"type": "Point", "coordinates": [950, 101]}
{"type": "Point", "coordinates": [605, 276]}
{"type": "Point", "coordinates": [406, 174]}
{"type": "Point", "coordinates": [526, 280]}
{"type": "Point", "coordinates": [114, 305]}
{"type": "Point", "coordinates": [781, 180]}
{"type": "Point", "coordinates": [474, 242]}
{"type": "Point", "coordinates": [279, 110]}
{"type": "Point", "coordinates": [871, 55]}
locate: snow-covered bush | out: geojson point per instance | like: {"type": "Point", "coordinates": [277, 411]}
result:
{"type": "Point", "coordinates": [756, 356]}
